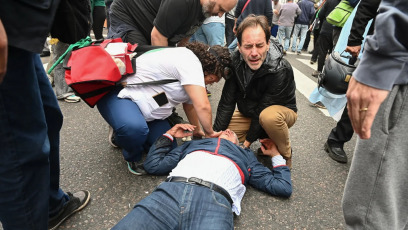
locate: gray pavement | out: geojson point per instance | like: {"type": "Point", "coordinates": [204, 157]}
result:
{"type": "Point", "coordinates": [89, 162]}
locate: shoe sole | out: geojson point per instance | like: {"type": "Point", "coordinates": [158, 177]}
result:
{"type": "Point", "coordinates": [110, 138]}
{"type": "Point", "coordinates": [75, 211]}
{"type": "Point", "coordinates": [132, 171]}
{"type": "Point", "coordinates": [333, 156]}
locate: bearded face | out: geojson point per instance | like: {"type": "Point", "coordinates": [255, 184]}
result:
{"type": "Point", "coordinates": [208, 9]}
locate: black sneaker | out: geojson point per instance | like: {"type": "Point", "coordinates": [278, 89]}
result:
{"type": "Point", "coordinates": [136, 168]}
{"type": "Point", "coordinates": [175, 119]}
{"type": "Point", "coordinates": [208, 92]}
{"type": "Point", "coordinates": [76, 203]}
{"type": "Point", "coordinates": [111, 138]}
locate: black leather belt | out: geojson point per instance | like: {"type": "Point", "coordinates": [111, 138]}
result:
{"type": "Point", "coordinates": [197, 181]}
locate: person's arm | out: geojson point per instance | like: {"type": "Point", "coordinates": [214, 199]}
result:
{"type": "Point", "coordinates": [193, 119]}
{"type": "Point", "coordinates": [202, 107]}
{"type": "Point", "coordinates": [226, 105]}
{"type": "Point", "coordinates": [161, 158]}
{"type": "Point", "coordinates": [158, 39]}
{"type": "Point", "coordinates": [298, 11]}
{"type": "Point", "coordinates": [3, 52]}
{"type": "Point", "coordinates": [365, 12]}
{"type": "Point", "coordinates": [276, 182]}
{"type": "Point", "coordinates": [383, 65]}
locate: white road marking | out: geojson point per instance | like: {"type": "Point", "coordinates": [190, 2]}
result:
{"type": "Point", "coordinates": [306, 86]}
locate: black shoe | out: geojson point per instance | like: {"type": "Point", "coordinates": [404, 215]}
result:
{"type": "Point", "coordinates": [315, 73]}
{"type": "Point", "coordinates": [76, 203]}
{"type": "Point", "coordinates": [111, 138]}
{"type": "Point", "coordinates": [335, 152]}
{"type": "Point", "coordinates": [175, 119]}
{"type": "Point", "coordinates": [45, 53]}
{"type": "Point", "coordinates": [136, 168]}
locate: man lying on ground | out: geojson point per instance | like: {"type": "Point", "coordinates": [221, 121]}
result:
{"type": "Point", "coordinates": [206, 182]}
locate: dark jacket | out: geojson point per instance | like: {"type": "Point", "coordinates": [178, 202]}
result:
{"type": "Point", "coordinates": [257, 7]}
{"type": "Point", "coordinates": [366, 11]}
{"type": "Point", "coordinates": [27, 22]}
{"type": "Point", "coordinates": [161, 159]}
{"type": "Point", "coordinates": [272, 84]}
{"type": "Point", "coordinates": [308, 12]}
{"type": "Point", "coordinates": [327, 28]}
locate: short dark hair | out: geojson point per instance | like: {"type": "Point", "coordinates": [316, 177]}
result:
{"type": "Point", "coordinates": [253, 20]}
{"type": "Point", "coordinates": [210, 62]}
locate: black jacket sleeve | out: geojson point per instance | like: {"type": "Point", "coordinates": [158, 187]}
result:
{"type": "Point", "coordinates": [365, 12]}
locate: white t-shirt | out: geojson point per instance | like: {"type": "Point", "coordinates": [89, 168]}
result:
{"type": "Point", "coordinates": [167, 63]}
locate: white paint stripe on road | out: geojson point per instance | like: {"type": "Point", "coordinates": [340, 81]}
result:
{"type": "Point", "coordinates": [45, 66]}
{"type": "Point", "coordinates": [306, 86]}
{"type": "Point", "coordinates": [307, 62]}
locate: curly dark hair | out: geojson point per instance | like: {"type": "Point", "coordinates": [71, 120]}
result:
{"type": "Point", "coordinates": [209, 61]}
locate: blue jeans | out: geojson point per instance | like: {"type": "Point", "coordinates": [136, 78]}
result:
{"type": "Point", "coordinates": [233, 45]}
{"type": "Point", "coordinates": [132, 132]}
{"type": "Point", "coordinates": [274, 30]}
{"type": "Point", "coordinates": [211, 33]}
{"type": "Point", "coordinates": [284, 33]}
{"type": "Point", "coordinates": [303, 31]}
{"type": "Point", "coordinates": [30, 123]}
{"type": "Point", "coordinates": [174, 205]}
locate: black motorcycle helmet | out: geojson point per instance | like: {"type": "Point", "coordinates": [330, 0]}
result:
{"type": "Point", "coordinates": [336, 74]}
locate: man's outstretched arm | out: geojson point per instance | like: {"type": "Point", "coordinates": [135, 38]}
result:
{"type": "Point", "coordinates": [276, 182]}
{"type": "Point", "coordinates": [162, 158]}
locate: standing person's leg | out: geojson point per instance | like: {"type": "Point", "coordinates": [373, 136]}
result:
{"type": "Point", "coordinates": [107, 12]}
{"type": "Point", "coordinates": [62, 90]}
{"type": "Point", "coordinates": [215, 33]}
{"type": "Point", "coordinates": [99, 16]}
{"type": "Point", "coordinates": [25, 148]}
{"type": "Point", "coordinates": [281, 34]}
{"type": "Point", "coordinates": [274, 30]}
{"type": "Point", "coordinates": [276, 121]}
{"type": "Point", "coordinates": [295, 37]}
{"type": "Point", "coordinates": [288, 31]}
{"type": "Point", "coordinates": [325, 43]}
{"type": "Point", "coordinates": [339, 135]}
{"type": "Point", "coordinates": [303, 32]}
{"type": "Point", "coordinates": [307, 40]}
{"type": "Point", "coordinates": [375, 195]}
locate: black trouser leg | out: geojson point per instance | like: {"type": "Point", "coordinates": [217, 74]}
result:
{"type": "Point", "coordinates": [343, 131]}
{"type": "Point", "coordinates": [229, 34]}
{"type": "Point", "coordinates": [99, 16]}
{"type": "Point", "coordinates": [324, 45]}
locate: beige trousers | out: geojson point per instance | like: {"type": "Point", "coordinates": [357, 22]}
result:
{"type": "Point", "coordinates": [275, 120]}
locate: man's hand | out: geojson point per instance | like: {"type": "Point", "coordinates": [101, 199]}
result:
{"type": "Point", "coordinates": [3, 52]}
{"type": "Point", "coordinates": [363, 103]}
{"type": "Point", "coordinates": [246, 144]}
{"type": "Point", "coordinates": [181, 130]}
{"type": "Point", "coordinates": [198, 133]}
{"type": "Point", "coordinates": [269, 148]}
{"type": "Point", "coordinates": [213, 135]}
{"type": "Point", "coordinates": [353, 50]}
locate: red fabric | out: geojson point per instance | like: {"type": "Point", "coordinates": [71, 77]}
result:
{"type": "Point", "coordinates": [92, 73]}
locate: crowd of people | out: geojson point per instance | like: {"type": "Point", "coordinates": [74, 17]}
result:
{"type": "Point", "coordinates": [191, 46]}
